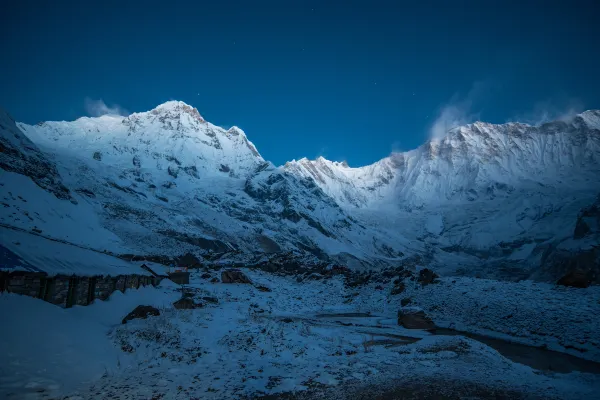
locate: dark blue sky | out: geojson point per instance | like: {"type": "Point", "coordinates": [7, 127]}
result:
{"type": "Point", "coordinates": [343, 79]}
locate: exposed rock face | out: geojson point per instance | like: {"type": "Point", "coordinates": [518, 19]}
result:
{"type": "Point", "coordinates": [414, 319]}
{"type": "Point", "coordinates": [18, 154]}
{"type": "Point", "coordinates": [588, 221]}
{"type": "Point", "coordinates": [575, 261]}
{"type": "Point", "coordinates": [234, 276]}
{"type": "Point", "coordinates": [577, 279]}
{"type": "Point", "coordinates": [141, 312]}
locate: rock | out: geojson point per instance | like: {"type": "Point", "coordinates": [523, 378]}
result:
{"type": "Point", "coordinates": [399, 288]}
{"type": "Point", "coordinates": [263, 288]}
{"type": "Point", "coordinates": [577, 279]}
{"type": "Point", "coordinates": [315, 276]}
{"type": "Point", "coordinates": [427, 276]}
{"type": "Point", "coordinates": [234, 276]}
{"type": "Point", "coordinates": [414, 319]}
{"type": "Point", "coordinates": [206, 275]}
{"type": "Point", "coordinates": [186, 303]}
{"type": "Point", "coordinates": [215, 280]}
{"type": "Point", "coordinates": [141, 312]}
{"type": "Point", "coordinates": [405, 301]}
{"type": "Point", "coordinates": [213, 300]}
{"type": "Point", "coordinates": [287, 320]}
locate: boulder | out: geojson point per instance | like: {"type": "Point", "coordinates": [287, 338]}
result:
{"type": "Point", "coordinates": [414, 319]}
{"type": "Point", "coordinates": [209, 299]}
{"type": "Point", "coordinates": [234, 276]}
{"type": "Point", "coordinates": [405, 301]}
{"type": "Point", "coordinates": [141, 312]}
{"type": "Point", "coordinates": [206, 275]}
{"type": "Point", "coordinates": [398, 288]}
{"type": "Point", "coordinates": [186, 303]}
{"type": "Point", "coordinates": [263, 288]}
{"type": "Point", "coordinates": [577, 279]}
{"type": "Point", "coordinates": [427, 276]}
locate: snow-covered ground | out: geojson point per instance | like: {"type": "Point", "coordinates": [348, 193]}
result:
{"type": "Point", "coordinates": [294, 337]}
{"type": "Point", "coordinates": [564, 319]}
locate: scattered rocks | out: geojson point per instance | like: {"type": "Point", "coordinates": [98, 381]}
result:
{"type": "Point", "coordinates": [141, 312]}
{"type": "Point", "coordinates": [577, 279]}
{"type": "Point", "coordinates": [234, 276]}
{"type": "Point", "coordinates": [414, 319]}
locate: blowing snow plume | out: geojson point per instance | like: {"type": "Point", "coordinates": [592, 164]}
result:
{"type": "Point", "coordinates": [457, 112]}
{"type": "Point", "coordinates": [96, 108]}
{"type": "Point", "coordinates": [550, 110]}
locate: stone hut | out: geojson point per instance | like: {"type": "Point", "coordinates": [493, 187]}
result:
{"type": "Point", "coordinates": [64, 274]}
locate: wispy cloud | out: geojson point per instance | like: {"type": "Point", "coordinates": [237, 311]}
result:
{"type": "Point", "coordinates": [322, 152]}
{"type": "Point", "coordinates": [550, 110]}
{"type": "Point", "coordinates": [96, 108]}
{"type": "Point", "coordinates": [457, 111]}
{"type": "Point", "coordinates": [397, 147]}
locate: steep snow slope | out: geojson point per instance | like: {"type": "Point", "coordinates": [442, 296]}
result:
{"type": "Point", "coordinates": [487, 199]}
{"type": "Point", "coordinates": [167, 182]}
{"type": "Point", "coordinates": [173, 138]}
{"type": "Point", "coordinates": [475, 161]}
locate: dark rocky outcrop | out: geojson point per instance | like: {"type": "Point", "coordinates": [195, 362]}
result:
{"type": "Point", "coordinates": [427, 276]}
{"type": "Point", "coordinates": [577, 279]}
{"type": "Point", "coordinates": [234, 276]}
{"type": "Point", "coordinates": [398, 288]}
{"type": "Point", "coordinates": [414, 319]}
{"type": "Point", "coordinates": [142, 312]}
{"type": "Point", "coordinates": [20, 155]}
{"type": "Point", "coordinates": [186, 303]}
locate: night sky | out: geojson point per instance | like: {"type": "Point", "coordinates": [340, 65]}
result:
{"type": "Point", "coordinates": [347, 80]}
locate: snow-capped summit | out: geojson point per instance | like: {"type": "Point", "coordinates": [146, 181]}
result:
{"type": "Point", "coordinates": [173, 135]}
{"type": "Point", "coordinates": [177, 109]}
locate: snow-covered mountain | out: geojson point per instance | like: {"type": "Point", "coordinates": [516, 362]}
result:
{"type": "Point", "coordinates": [486, 199]}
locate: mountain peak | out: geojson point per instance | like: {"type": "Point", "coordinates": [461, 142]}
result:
{"type": "Point", "coordinates": [175, 108]}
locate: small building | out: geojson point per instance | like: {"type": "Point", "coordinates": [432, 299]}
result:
{"type": "Point", "coordinates": [64, 274]}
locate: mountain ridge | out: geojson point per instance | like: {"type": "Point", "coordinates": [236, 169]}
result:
{"type": "Point", "coordinates": [485, 199]}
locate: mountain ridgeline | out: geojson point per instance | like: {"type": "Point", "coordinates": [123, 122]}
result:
{"type": "Point", "coordinates": [509, 201]}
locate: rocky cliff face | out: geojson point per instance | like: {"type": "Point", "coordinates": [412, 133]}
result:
{"type": "Point", "coordinates": [20, 155]}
